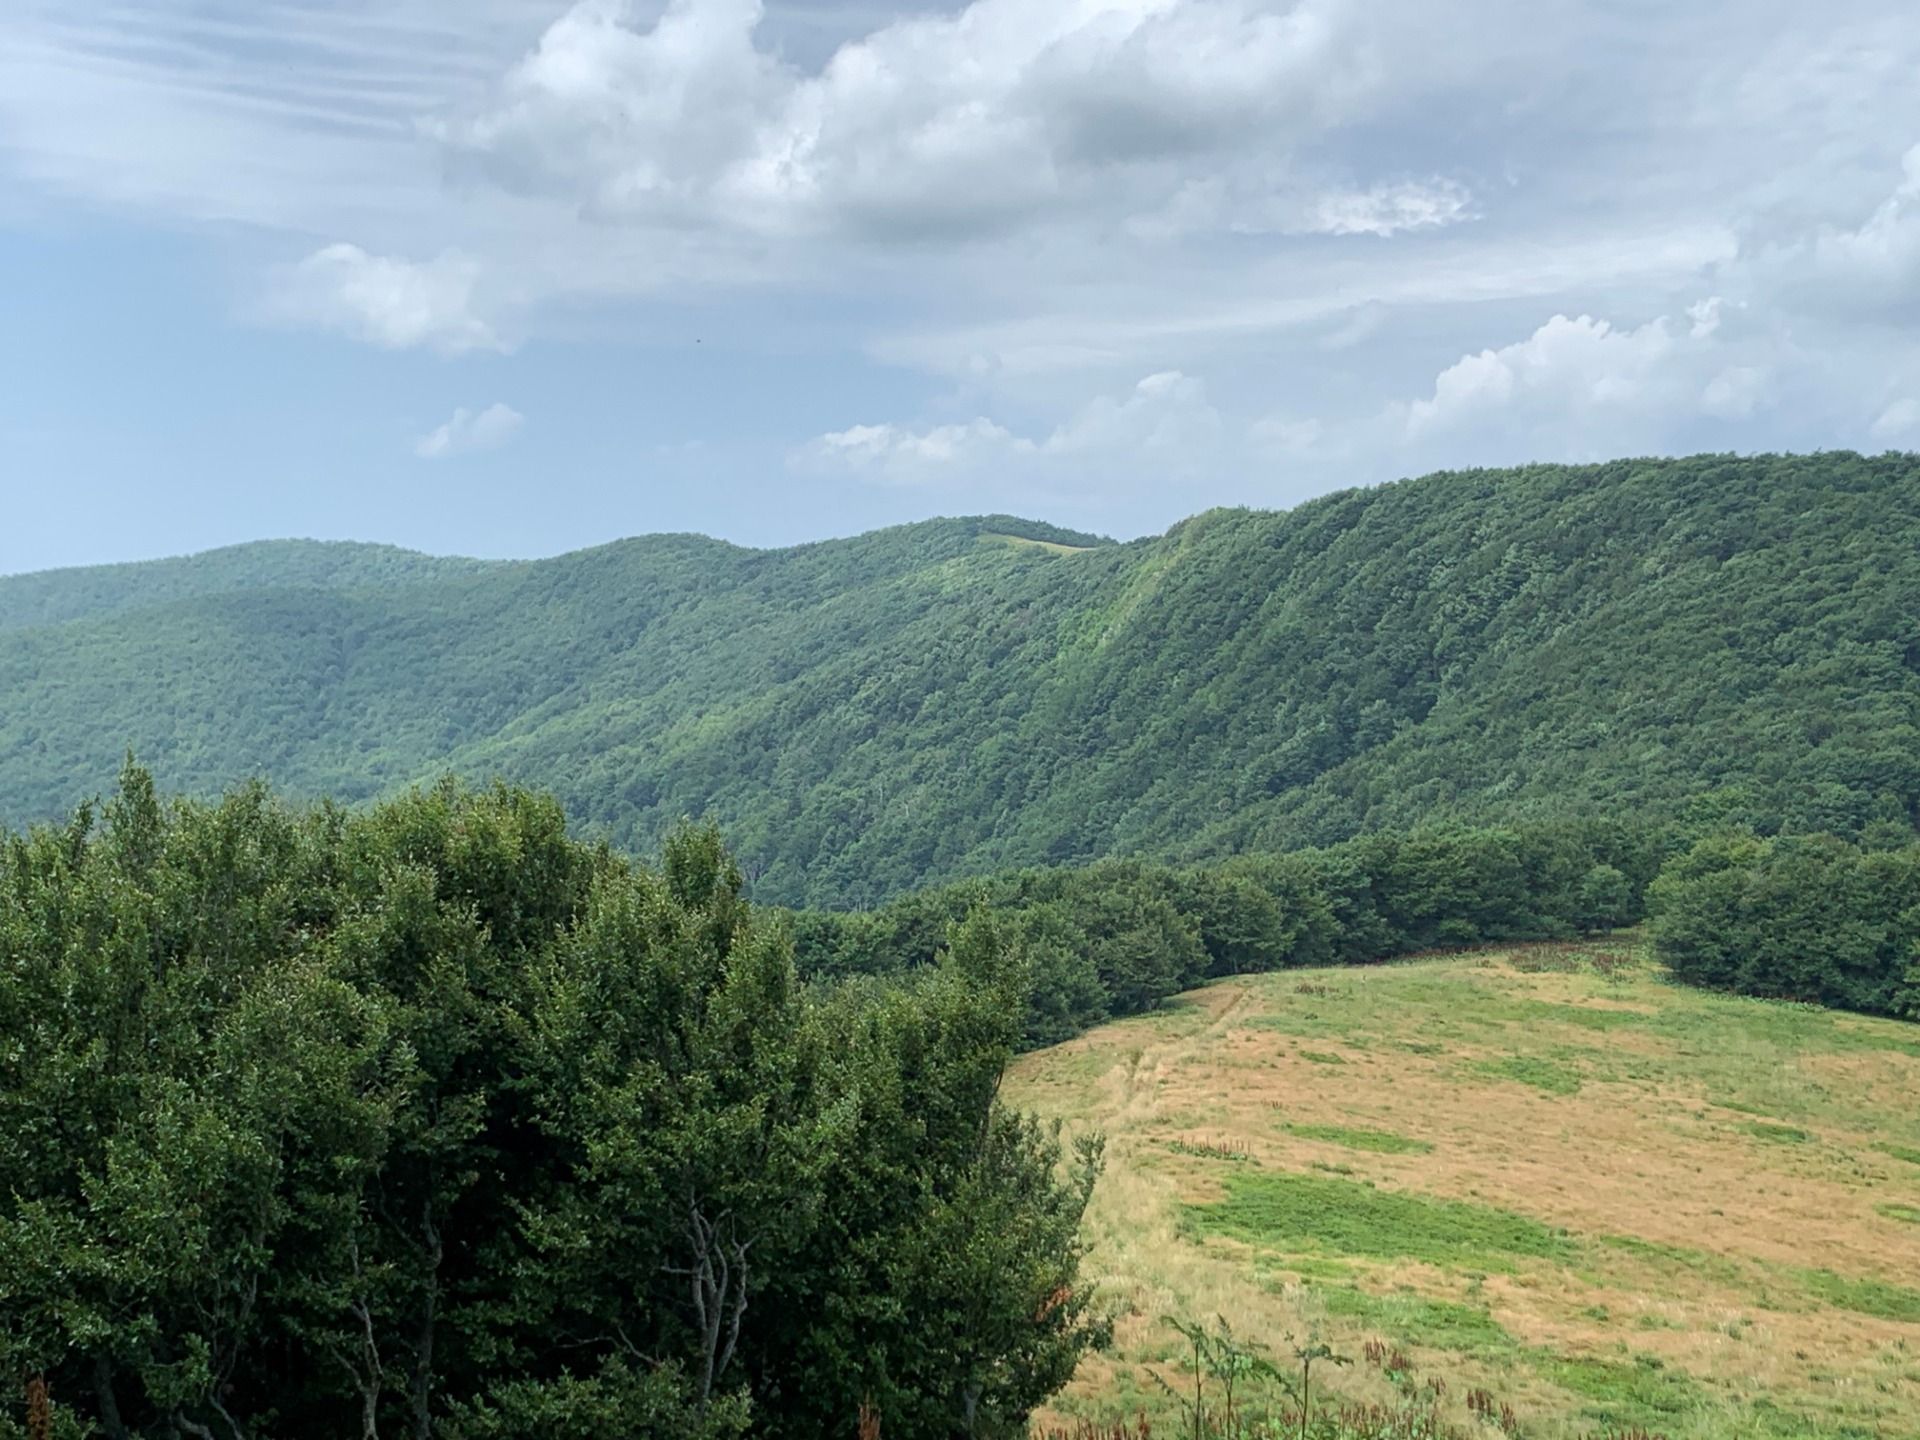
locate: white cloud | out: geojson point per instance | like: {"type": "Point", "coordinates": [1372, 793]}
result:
{"type": "Point", "coordinates": [468, 432]}
{"type": "Point", "coordinates": [1899, 422]}
{"type": "Point", "coordinates": [1007, 114]}
{"type": "Point", "coordinates": [1167, 414]}
{"type": "Point", "coordinates": [1583, 372]}
{"type": "Point", "coordinates": [896, 452]}
{"type": "Point", "coordinates": [1166, 418]}
{"type": "Point", "coordinates": [1390, 209]}
{"type": "Point", "coordinates": [625, 120]}
{"type": "Point", "coordinates": [1881, 256]}
{"type": "Point", "coordinates": [1870, 270]}
{"type": "Point", "coordinates": [393, 303]}
{"type": "Point", "coordinates": [1734, 393]}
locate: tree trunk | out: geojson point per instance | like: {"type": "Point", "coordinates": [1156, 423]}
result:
{"type": "Point", "coordinates": [104, 1398]}
{"type": "Point", "coordinates": [717, 1280]}
{"type": "Point", "coordinates": [423, 1351]}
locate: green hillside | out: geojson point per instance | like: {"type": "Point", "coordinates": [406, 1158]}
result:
{"type": "Point", "coordinates": [50, 597]}
{"type": "Point", "coordinates": [1704, 639]}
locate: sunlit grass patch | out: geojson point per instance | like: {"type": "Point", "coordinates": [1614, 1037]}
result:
{"type": "Point", "coordinates": [1776, 1134]}
{"type": "Point", "coordinates": [1542, 1074]}
{"type": "Point", "coordinates": [1641, 1391]}
{"type": "Point", "coordinates": [1679, 1260]}
{"type": "Point", "coordinates": [1379, 1142]}
{"type": "Point", "coordinates": [1409, 1318]}
{"type": "Point", "coordinates": [1287, 1212]}
{"type": "Point", "coordinates": [1878, 1298]}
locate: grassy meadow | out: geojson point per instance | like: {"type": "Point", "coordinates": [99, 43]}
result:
{"type": "Point", "coordinates": [1539, 1172]}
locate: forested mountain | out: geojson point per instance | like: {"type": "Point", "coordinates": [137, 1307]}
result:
{"type": "Point", "coordinates": [1704, 640]}
{"type": "Point", "coordinates": [52, 596]}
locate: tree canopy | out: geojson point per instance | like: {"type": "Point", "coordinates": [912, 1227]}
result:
{"type": "Point", "coordinates": [429, 1120]}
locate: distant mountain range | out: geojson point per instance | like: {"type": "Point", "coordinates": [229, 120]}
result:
{"type": "Point", "coordinates": [1709, 640]}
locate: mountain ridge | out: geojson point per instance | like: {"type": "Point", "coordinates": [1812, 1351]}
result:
{"type": "Point", "coordinates": [1715, 639]}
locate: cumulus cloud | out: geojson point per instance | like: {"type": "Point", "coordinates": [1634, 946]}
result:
{"type": "Point", "coordinates": [382, 300]}
{"type": "Point", "coordinates": [1585, 376]}
{"type": "Point", "coordinates": [1007, 113]}
{"type": "Point", "coordinates": [1166, 416]}
{"type": "Point", "coordinates": [468, 432]}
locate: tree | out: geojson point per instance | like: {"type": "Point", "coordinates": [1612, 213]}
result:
{"type": "Point", "coordinates": [433, 1121]}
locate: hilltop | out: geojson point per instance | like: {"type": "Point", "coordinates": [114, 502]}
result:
{"type": "Point", "coordinates": [1698, 640]}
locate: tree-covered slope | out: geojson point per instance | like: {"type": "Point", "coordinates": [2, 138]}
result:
{"type": "Point", "coordinates": [52, 596]}
{"type": "Point", "coordinates": [1704, 638]}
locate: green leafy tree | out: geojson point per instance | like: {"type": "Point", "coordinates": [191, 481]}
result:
{"type": "Point", "coordinates": [432, 1121]}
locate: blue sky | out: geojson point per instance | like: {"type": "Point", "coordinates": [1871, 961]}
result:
{"type": "Point", "coordinates": [508, 277]}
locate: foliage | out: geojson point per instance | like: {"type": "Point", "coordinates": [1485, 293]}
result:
{"type": "Point", "coordinates": [1718, 641]}
{"type": "Point", "coordinates": [52, 597]}
{"type": "Point", "coordinates": [432, 1120]}
{"type": "Point", "coordinates": [1795, 918]}
{"type": "Point", "coordinates": [1118, 937]}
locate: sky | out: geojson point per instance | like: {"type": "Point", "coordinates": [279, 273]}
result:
{"type": "Point", "coordinates": [512, 277]}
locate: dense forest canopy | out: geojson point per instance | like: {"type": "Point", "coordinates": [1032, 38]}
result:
{"type": "Point", "coordinates": [1719, 641]}
{"type": "Point", "coordinates": [49, 597]}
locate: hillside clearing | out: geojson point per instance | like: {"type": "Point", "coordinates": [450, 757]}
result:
{"type": "Point", "coordinates": [1542, 1170]}
{"type": "Point", "coordinates": [1025, 542]}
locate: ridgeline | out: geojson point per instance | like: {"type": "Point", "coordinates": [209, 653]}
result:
{"type": "Point", "coordinates": [1706, 642]}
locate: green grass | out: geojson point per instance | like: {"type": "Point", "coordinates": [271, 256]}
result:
{"type": "Point", "coordinates": [1290, 1212]}
{"type": "Point", "coordinates": [1908, 1153]}
{"type": "Point", "coordinates": [1411, 1319]}
{"type": "Point", "coordinates": [1777, 1134]}
{"type": "Point", "coordinates": [1639, 1392]}
{"type": "Point", "coordinates": [1878, 1298]}
{"type": "Point", "coordinates": [1378, 1142]}
{"type": "Point", "coordinates": [1676, 1260]}
{"type": "Point", "coordinates": [1323, 1057]}
{"type": "Point", "coordinates": [1585, 1017]}
{"type": "Point", "coordinates": [1908, 1213]}
{"type": "Point", "coordinates": [1542, 1074]}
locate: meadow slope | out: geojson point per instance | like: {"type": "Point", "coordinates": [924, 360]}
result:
{"type": "Point", "coordinates": [1542, 1171]}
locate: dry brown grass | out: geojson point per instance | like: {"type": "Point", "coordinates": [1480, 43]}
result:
{"type": "Point", "coordinates": [1692, 1212]}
